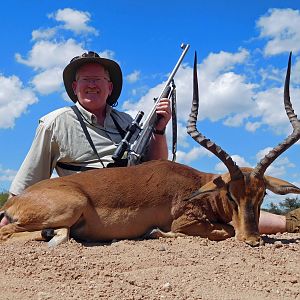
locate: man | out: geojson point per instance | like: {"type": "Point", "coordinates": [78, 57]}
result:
{"type": "Point", "coordinates": [94, 84]}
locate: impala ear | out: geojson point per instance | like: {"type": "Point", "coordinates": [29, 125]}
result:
{"type": "Point", "coordinates": [280, 187]}
{"type": "Point", "coordinates": [210, 187]}
{"type": "Point", "coordinates": [216, 185]}
{"type": "Point", "coordinates": [219, 182]}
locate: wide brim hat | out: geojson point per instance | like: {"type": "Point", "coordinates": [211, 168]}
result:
{"type": "Point", "coordinates": [111, 66]}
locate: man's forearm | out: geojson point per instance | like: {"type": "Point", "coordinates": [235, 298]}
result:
{"type": "Point", "coordinates": [158, 148]}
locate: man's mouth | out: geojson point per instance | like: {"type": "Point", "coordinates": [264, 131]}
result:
{"type": "Point", "coordinates": [92, 92]}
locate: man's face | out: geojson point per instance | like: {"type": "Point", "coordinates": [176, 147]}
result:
{"type": "Point", "coordinates": [92, 87]}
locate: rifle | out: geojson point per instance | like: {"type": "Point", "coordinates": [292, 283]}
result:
{"type": "Point", "coordinates": [137, 149]}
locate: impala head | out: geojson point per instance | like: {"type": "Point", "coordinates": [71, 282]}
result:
{"type": "Point", "coordinates": [245, 195]}
{"type": "Point", "coordinates": [243, 189]}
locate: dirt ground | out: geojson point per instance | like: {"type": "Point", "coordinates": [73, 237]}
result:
{"type": "Point", "coordinates": [181, 268]}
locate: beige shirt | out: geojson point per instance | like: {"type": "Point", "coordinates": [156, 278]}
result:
{"type": "Point", "coordinates": [60, 138]}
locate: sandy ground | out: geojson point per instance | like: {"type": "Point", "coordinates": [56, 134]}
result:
{"type": "Point", "coordinates": [181, 268]}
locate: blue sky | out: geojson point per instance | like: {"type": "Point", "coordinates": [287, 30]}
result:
{"type": "Point", "coordinates": [242, 50]}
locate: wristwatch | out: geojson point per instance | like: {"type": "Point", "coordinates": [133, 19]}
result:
{"type": "Point", "coordinates": [159, 132]}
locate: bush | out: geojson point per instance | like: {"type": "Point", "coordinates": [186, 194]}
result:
{"type": "Point", "coordinates": [287, 205]}
{"type": "Point", "coordinates": [3, 198]}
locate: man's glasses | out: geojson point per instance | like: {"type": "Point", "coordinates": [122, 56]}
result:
{"type": "Point", "coordinates": [95, 80]}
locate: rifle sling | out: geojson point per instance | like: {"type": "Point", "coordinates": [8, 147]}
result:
{"type": "Point", "coordinates": [174, 121]}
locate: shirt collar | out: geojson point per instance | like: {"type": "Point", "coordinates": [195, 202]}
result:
{"type": "Point", "coordinates": [90, 117]}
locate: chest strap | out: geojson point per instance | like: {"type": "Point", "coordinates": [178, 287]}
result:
{"type": "Point", "coordinates": [83, 126]}
{"type": "Point", "coordinates": [73, 168]}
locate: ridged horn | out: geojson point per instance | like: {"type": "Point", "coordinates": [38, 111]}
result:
{"type": "Point", "coordinates": [233, 169]}
{"type": "Point", "coordinates": [265, 162]}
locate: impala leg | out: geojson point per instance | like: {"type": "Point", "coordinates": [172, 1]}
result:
{"type": "Point", "coordinates": [205, 229]}
{"type": "Point", "coordinates": [10, 233]}
{"type": "Point", "coordinates": [61, 236]}
{"type": "Point", "coordinates": [156, 233]}
{"type": "Point", "coordinates": [27, 236]}
{"type": "Point", "coordinates": [7, 231]}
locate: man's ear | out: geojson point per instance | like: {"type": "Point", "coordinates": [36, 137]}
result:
{"type": "Point", "coordinates": [74, 86]}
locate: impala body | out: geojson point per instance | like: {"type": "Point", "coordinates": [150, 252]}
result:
{"type": "Point", "coordinates": [157, 198]}
{"type": "Point", "coordinates": [127, 203]}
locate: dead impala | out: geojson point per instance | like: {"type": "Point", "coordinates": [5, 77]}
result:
{"type": "Point", "coordinates": [170, 198]}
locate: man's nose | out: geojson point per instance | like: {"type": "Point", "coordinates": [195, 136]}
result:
{"type": "Point", "coordinates": [92, 81]}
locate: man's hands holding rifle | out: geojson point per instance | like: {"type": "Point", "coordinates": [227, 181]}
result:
{"type": "Point", "coordinates": [163, 111]}
{"type": "Point", "coordinates": [155, 122]}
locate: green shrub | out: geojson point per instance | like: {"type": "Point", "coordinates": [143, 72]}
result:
{"type": "Point", "coordinates": [3, 198]}
{"type": "Point", "coordinates": [283, 207]}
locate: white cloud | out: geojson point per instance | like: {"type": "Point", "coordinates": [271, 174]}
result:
{"type": "Point", "coordinates": [48, 54]}
{"type": "Point", "coordinates": [276, 170]}
{"type": "Point", "coordinates": [225, 95]}
{"type": "Point", "coordinates": [262, 153]}
{"type": "Point", "coordinates": [278, 167]}
{"type": "Point", "coordinates": [43, 34]}
{"type": "Point", "coordinates": [65, 96]}
{"type": "Point", "coordinates": [252, 126]}
{"type": "Point", "coordinates": [240, 161]}
{"type": "Point", "coordinates": [107, 54]}
{"type": "Point", "coordinates": [7, 174]}
{"type": "Point", "coordinates": [296, 183]}
{"type": "Point", "coordinates": [74, 20]}
{"type": "Point", "coordinates": [49, 58]}
{"type": "Point", "coordinates": [48, 81]}
{"type": "Point", "coordinates": [145, 103]}
{"type": "Point", "coordinates": [133, 77]}
{"type": "Point", "coordinates": [219, 88]}
{"type": "Point", "coordinates": [282, 28]}
{"type": "Point", "coordinates": [182, 136]}
{"type": "Point", "coordinates": [296, 72]}
{"type": "Point", "coordinates": [14, 100]}
{"type": "Point", "coordinates": [194, 154]}
{"type": "Point", "coordinates": [222, 62]}
{"type": "Point", "coordinates": [270, 107]}
{"type": "Point", "coordinates": [236, 120]}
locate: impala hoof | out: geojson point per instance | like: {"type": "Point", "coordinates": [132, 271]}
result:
{"type": "Point", "coordinates": [254, 242]}
{"type": "Point", "coordinates": [48, 234]}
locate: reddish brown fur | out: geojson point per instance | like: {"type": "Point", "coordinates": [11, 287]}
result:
{"type": "Point", "coordinates": [123, 203]}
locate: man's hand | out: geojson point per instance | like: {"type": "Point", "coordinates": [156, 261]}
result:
{"type": "Point", "coordinates": [163, 111]}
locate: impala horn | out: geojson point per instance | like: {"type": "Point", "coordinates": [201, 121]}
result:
{"type": "Point", "coordinates": [233, 169]}
{"type": "Point", "coordinates": [266, 161]}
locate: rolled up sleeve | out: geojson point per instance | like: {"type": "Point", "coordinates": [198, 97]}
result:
{"type": "Point", "coordinates": [39, 162]}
